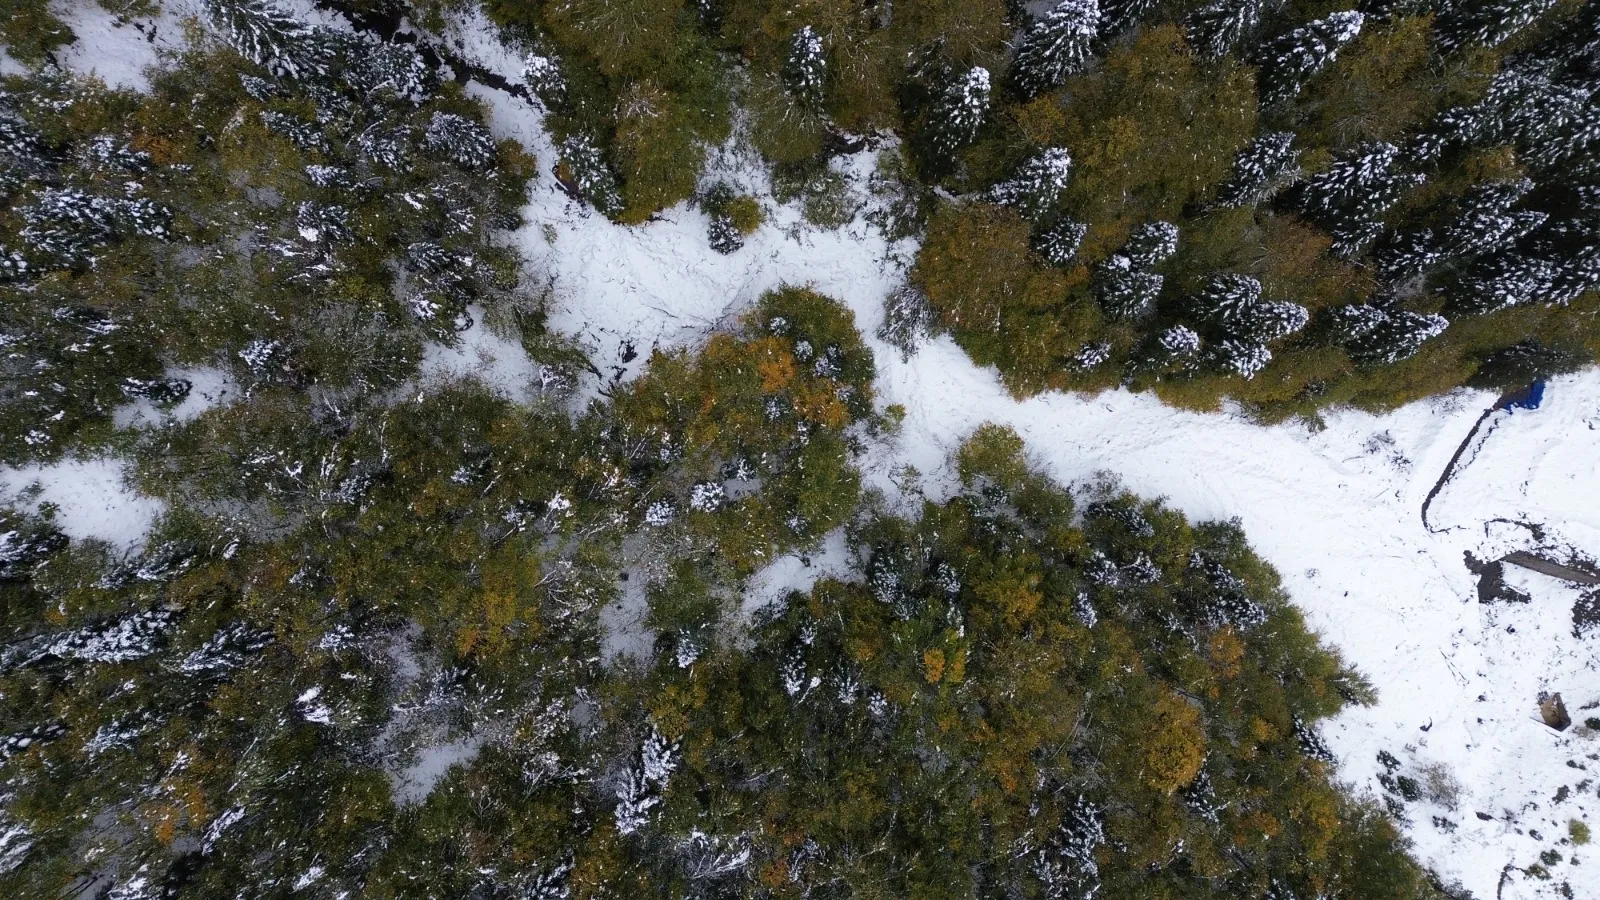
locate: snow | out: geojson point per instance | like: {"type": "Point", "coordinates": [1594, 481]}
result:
{"type": "Point", "coordinates": [1337, 511]}
{"type": "Point", "coordinates": [92, 499]}
{"type": "Point", "coordinates": [119, 51]}
{"type": "Point", "coordinates": [208, 387]}
{"type": "Point", "coordinates": [416, 781]}
{"type": "Point", "coordinates": [497, 362]}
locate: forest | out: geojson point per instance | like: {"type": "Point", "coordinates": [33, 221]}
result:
{"type": "Point", "coordinates": [1022, 689]}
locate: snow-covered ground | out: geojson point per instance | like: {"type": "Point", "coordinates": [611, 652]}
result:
{"type": "Point", "coordinates": [1338, 512]}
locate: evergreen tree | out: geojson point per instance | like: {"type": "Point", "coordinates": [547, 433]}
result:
{"type": "Point", "coordinates": [1290, 61]}
{"type": "Point", "coordinates": [1486, 223]}
{"type": "Point", "coordinates": [270, 37]}
{"type": "Point", "coordinates": [1224, 298]}
{"type": "Point", "coordinates": [585, 170]}
{"type": "Point", "coordinates": [1397, 335]}
{"type": "Point", "coordinates": [1117, 16]}
{"type": "Point", "coordinates": [1091, 356]}
{"type": "Point", "coordinates": [1175, 349]}
{"type": "Point", "coordinates": [1151, 244]}
{"type": "Point", "coordinates": [1125, 284]}
{"type": "Point", "coordinates": [1126, 292]}
{"type": "Point", "coordinates": [907, 319]}
{"type": "Point", "coordinates": [542, 72]}
{"type": "Point", "coordinates": [805, 68]}
{"type": "Point", "coordinates": [1056, 46]}
{"type": "Point", "coordinates": [1058, 244]}
{"type": "Point", "coordinates": [462, 140]}
{"type": "Point", "coordinates": [1487, 23]}
{"type": "Point", "coordinates": [1351, 198]}
{"type": "Point", "coordinates": [1263, 168]}
{"type": "Point", "coordinates": [1037, 185]}
{"type": "Point", "coordinates": [959, 113]}
{"type": "Point", "coordinates": [1241, 358]}
{"type": "Point", "coordinates": [1217, 28]}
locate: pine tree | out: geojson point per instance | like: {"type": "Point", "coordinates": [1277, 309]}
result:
{"type": "Point", "coordinates": [543, 73]}
{"type": "Point", "coordinates": [1351, 198]}
{"type": "Point", "coordinates": [1559, 263]}
{"type": "Point", "coordinates": [1268, 165]}
{"type": "Point", "coordinates": [373, 65]}
{"type": "Point", "coordinates": [462, 140]}
{"type": "Point", "coordinates": [1091, 355]}
{"type": "Point", "coordinates": [1151, 244]}
{"type": "Point", "coordinates": [1172, 349]}
{"type": "Point", "coordinates": [1058, 244]}
{"type": "Point", "coordinates": [587, 174]}
{"type": "Point", "coordinates": [960, 112]}
{"type": "Point", "coordinates": [1241, 358]}
{"type": "Point", "coordinates": [1290, 61]}
{"type": "Point", "coordinates": [1124, 284]}
{"type": "Point", "coordinates": [1397, 336]}
{"type": "Point", "coordinates": [907, 319]}
{"type": "Point", "coordinates": [1216, 29]}
{"type": "Point", "coordinates": [1126, 292]}
{"type": "Point", "coordinates": [805, 68]}
{"type": "Point", "coordinates": [1225, 297]}
{"type": "Point", "coordinates": [1117, 16]}
{"type": "Point", "coordinates": [1056, 46]}
{"type": "Point", "coordinates": [1486, 224]}
{"type": "Point", "coordinates": [1487, 23]}
{"type": "Point", "coordinates": [1037, 185]}
{"type": "Point", "coordinates": [723, 234]}
{"type": "Point", "coordinates": [270, 37]}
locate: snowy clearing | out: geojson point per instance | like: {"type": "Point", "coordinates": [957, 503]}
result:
{"type": "Point", "coordinates": [91, 496]}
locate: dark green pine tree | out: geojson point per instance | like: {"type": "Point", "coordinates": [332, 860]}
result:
{"type": "Point", "coordinates": [1056, 46]}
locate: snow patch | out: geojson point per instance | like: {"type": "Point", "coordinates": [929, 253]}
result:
{"type": "Point", "coordinates": [92, 499]}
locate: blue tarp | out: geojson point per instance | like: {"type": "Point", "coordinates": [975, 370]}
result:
{"type": "Point", "coordinates": [1528, 399]}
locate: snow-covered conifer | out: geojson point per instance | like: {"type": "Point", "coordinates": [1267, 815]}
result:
{"type": "Point", "coordinates": [1290, 61]}
{"type": "Point", "coordinates": [1399, 335]}
{"type": "Point", "coordinates": [724, 236]}
{"type": "Point", "coordinates": [1225, 297]}
{"type": "Point", "coordinates": [907, 319]}
{"type": "Point", "coordinates": [1125, 291]}
{"type": "Point", "coordinates": [387, 147]}
{"type": "Point", "coordinates": [589, 175]}
{"type": "Point", "coordinates": [1242, 358]}
{"type": "Point", "coordinates": [805, 67]}
{"type": "Point", "coordinates": [131, 637]}
{"type": "Point", "coordinates": [1058, 244]}
{"type": "Point", "coordinates": [1268, 165]}
{"type": "Point", "coordinates": [1351, 198]}
{"type": "Point", "coordinates": [1066, 866]}
{"type": "Point", "coordinates": [1037, 185]}
{"type": "Point", "coordinates": [1151, 244]}
{"type": "Point", "coordinates": [374, 65]}
{"type": "Point", "coordinates": [66, 226]}
{"type": "Point", "coordinates": [1056, 46]}
{"type": "Point", "coordinates": [960, 112]}
{"type": "Point", "coordinates": [1091, 356]}
{"type": "Point", "coordinates": [1487, 23]}
{"type": "Point", "coordinates": [1219, 27]}
{"type": "Point", "coordinates": [545, 77]}
{"type": "Point", "coordinates": [270, 37]}
{"type": "Point", "coordinates": [1270, 321]}
{"type": "Point", "coordinates": [1117, 16]}
{"type": "Point", "coordinates": [466, 142]}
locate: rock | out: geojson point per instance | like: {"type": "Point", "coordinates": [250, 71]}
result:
{"type": "Point", "coordinates": [1554, 712]}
